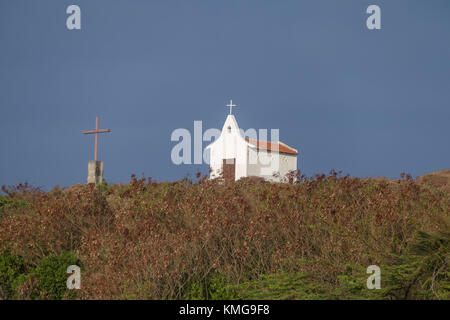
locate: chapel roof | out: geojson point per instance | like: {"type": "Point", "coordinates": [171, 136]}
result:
{"type": "Point", "coordinates": [272, 146]}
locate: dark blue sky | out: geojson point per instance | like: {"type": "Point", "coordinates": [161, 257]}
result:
{"type": "Point", "coordinates": [370, 103]}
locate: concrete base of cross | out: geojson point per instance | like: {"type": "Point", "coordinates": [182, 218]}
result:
{"type": "Point", "coordinates": [95, 172]}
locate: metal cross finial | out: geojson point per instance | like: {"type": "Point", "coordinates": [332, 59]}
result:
{"type": "Point", "coordinates": [231, 105]}
{"type": "Point", "coordinates": [96, 131]}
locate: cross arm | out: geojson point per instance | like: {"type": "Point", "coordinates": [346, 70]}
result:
{"type": "Point", "coordinates": [96, 131]}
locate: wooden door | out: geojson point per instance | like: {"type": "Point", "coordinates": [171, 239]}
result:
{"type": "Point", "coordinates": [229, 169]}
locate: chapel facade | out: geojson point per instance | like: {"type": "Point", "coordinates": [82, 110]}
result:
{"type": "Point", "coordinates": [234, 156]}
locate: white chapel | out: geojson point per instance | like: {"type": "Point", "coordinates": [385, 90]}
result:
{"type": "Point", "coordinates": [233, 155]}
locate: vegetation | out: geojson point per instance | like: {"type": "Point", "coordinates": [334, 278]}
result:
{"type": "Point", "coordinates": [203, 239]}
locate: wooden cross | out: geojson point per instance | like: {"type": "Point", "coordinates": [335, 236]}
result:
{"type": "Point", "coordinates": [96, 131]}
{"type": "Point", "coordinates": [231, 105]}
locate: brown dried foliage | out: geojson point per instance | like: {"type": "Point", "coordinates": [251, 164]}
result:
{"type": "Point", "coordinates": [152, 240]}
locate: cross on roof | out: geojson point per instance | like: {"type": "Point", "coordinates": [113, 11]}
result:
{"type": "Point", "coordinates": [96, 131]}
{"type": "Point", "coordinates": [231, 105]}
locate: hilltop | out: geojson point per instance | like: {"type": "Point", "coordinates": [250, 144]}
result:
{"type": "Point", "coordinates": [438, 179]}
{"type": "Point", "coordinates": [250, 239]}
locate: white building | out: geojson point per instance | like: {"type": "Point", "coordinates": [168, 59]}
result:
{"type": "Point", "coordinates": [233, 156]}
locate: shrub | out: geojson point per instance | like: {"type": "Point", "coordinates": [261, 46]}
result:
{"type": "Point", "coordinates": [11, 203]}
{"type": "Point", "coordinates": [51, 275]}
{"type": "Point", "coordinates": [283, 286]}
{"type": "Point", "coordinates": [424, 272]}
{"type": "Point", "coordinates": [214, 287]}
{"type": "Point", "coordinates": [11, 268]}
{"type": "Point", "coordinates": [205, 240]}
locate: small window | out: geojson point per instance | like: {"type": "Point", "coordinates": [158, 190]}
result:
{"type": "Point", "coordinates": [229, 129]}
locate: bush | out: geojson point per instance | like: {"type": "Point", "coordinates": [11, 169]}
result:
{"type": "Point", "coordinates": [206, 240]}
{"type": "Point", "coordinates": [282, 286]}
{"type": "Point", "coordinates": [46, 281]}
{"type": "Point", "coordinates": [424, 271]}
{"type": "Point", "coordinates": [11, 203]}
{"type": "Point", "coordinates": [51, 275]}
{"type": "Point", "coordinates": [11, 268]}
{"type": "Point", "coordinates": [214, 287]}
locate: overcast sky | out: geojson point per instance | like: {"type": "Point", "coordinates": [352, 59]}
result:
{"type": "Point", "coordinates": [368, 102]}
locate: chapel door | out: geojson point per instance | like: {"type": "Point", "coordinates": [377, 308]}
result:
{"type": "Point", "coordinates": [229, 169]}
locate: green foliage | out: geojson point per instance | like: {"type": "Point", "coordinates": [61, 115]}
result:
{"type": "Point", "coordinates": [215, 287]}
{"type": "Point", "coordinates": [103, 187]}
{"type": "Point", "coordinates": [11, 268]}
{"type": "Point", "coordinates": [12, 203]}
{"type": "Point", "coordinates": [46, 281]}
{"type": "Point", "coordinates": [302, 286]}
{"type": "Point", "coordinates": [283, 286]}
{"type": "Point", "coordinates": [423, 272]}
{"type": "Point", "coordinates": [354, 287]}
{"type": "Point", "coordinates": [52, 276]}
{"type": "Point", "coordinates": [134, 291]}
{"type": "Point", "coordinates": [195, 292]}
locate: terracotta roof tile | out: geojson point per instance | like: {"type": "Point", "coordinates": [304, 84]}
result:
{"type": "Point", "coordinates": [272, 146]}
